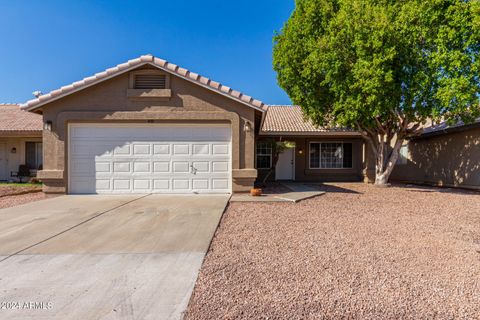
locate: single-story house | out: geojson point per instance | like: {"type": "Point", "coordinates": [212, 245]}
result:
{"type": "Point", "coordinates": [443, 155]}
{"type": "Point", "coordinates": [20, 141]}
{"type": "Point", "coordinates": [148, 125]}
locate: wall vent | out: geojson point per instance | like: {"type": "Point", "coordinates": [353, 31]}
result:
{"type": "Point", "coordinates": [150, 81]}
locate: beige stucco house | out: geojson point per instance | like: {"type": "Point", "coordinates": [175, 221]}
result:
{"type": "Point", "coordinates": [151, 126]}
{"type": "Point", "coordinates": [148, 125]}
{"type": "Point", "coordinates": [20, 141]}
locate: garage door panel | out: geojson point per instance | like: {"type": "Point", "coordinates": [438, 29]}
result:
{"type": "Point", "coordinates": [200, 184]}
{"type": "Point", "coordinates": [102, 167]}
{"type": "Point", "coordinates": [201, 166]}
{"type": "Point", "coordinates": [220, 149]}
{"type": "Point", "coordinates": [141, 184]}
{"type": "Point", "coordinates": [122, 150]}
{"type": "Point", "coordinates": [220, 166]}
{"type": "Point", "coordinates": [181, 167]}
{"type": "Point", "coordinates": [161, 149]}
{"type": "Point", "coordinates": [161, 185]}
{"type": "Point", "coordinates": [141, 167]}
{"type": "Point", "coordinates": [121, 167]}
{"type": "Point", "coordinates": [181, 184]}
{"type": "Point", "coordinates": [103, 184]}
{"type": "Point", "coordinates": [121, 184]}
{"type": "Point", "coordinates": [141, 149]}
{"type": "Point", "coordinates": [201, 149]}
{"type": "Point", "coordinates": [219, 184]}
{"type": "Point", "coordinates": [110, 159]}
{"type": "Point", "coordinates": [181, 149]}
{"type": "Point", "coordinates": [161, 166]}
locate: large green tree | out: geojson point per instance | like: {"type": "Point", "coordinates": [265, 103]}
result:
{"type": "Point", "coordinates": [382, 67]}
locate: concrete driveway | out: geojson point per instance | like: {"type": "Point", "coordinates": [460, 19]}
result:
{"type": "Point", "coordinates": [104, 257]}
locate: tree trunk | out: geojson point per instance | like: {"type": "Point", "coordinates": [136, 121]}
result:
{"type": "Point", "coordinates": [274, 165]}
{"type": "Point", "coordinates": [384, 165]}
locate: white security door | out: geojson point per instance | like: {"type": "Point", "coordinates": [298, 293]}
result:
{"type": "Point", "coordinates": [149, 158]}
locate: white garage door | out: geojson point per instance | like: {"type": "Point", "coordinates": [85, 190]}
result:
{"type": "Point", "coordinates": [145, 158]}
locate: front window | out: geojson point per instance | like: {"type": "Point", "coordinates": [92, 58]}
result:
{"type": "Point", "coordinates": [264, 155]}
{"type": "Point", "coordinates": [330, 155]}
{"type": "Point", "coordinates": [33, 155]}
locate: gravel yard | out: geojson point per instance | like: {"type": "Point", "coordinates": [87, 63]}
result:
{"type": "Point", "coordinates": [15, 200]}
{"type": "Point", "coordinates": [8, 189]}
{"type": "Point", "coordinates": [356, 252]}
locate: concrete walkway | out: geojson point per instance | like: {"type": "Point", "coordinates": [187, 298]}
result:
{"type": "Point", "coordinates": [299, 191]}
{"type": "Point", "coordinates": [104, 257]}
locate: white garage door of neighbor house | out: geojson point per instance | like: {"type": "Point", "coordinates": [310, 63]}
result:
{"type": "Point", "coordinates": [149, 158]}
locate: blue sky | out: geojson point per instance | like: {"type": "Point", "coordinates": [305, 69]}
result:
{"type": "Point", "coordinates": [47, 44]}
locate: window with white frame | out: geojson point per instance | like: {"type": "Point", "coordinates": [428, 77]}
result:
{"type": "Point", "coordinates": [264, 155]}
{"type": "Point", "coordinates": [403, 154]}
{"type": "Point", "coordinates": [330, 155]}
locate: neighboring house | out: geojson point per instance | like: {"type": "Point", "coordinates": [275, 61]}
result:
{"type": "Point", "coordinates": [20, 141]}
{"type": "Point", "coordinates": [443, 155]}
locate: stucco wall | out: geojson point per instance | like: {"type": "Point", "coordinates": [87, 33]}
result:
{"type": "Point", "coordinates": [108, 101]}
{"type": "Point", "coordinates": [451, 159]}
{"type": "Point", "coordinates": [304, 173]}
{"type": "Point", "coordinates": [13, 160]}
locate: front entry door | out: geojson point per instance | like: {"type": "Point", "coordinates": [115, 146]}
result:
{"type": "Point", "coordinates": [285, 165]}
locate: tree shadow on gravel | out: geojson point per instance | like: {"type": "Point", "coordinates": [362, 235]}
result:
{"type": "Point", "coordinates": [418, 188]}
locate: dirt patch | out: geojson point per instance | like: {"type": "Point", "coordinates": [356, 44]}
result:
{"type": "Point", "coordinates": [356, 252]}
{"type": "Point", "coordinates": [16, 200]}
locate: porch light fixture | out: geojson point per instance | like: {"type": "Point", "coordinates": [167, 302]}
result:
{"type": "Point", "coordinates": [300, 151]}
{"type": "Point", "coordinates": [14, 150]}
{"type": "Point", "coordinates": [247, 127]}
{"type": "Point", "coordinates": [47, 125]}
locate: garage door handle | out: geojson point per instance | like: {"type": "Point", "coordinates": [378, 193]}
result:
{"type": "Point", "coordinates": [194, 170]}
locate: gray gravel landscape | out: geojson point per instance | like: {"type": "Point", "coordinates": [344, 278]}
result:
{"type": "Point", "coordinates": [358, 252]}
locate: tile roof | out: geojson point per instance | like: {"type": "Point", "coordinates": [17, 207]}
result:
{"type": "Point", "coordinates": [14, 120]}
{"type": "Point", "coordinates": [444, 126]}
{"type": "Point", "coordinates": [288, 119]}
{"type": "Point", "coordinates": [135, 63]}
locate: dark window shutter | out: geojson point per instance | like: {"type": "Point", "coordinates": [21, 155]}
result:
{"type": "Point", "coordinates": [347, 155]}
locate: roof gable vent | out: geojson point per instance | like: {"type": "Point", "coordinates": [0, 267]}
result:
{"type": "Point", "coordinates": [150, 81]}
